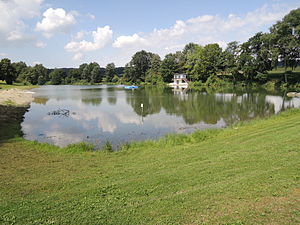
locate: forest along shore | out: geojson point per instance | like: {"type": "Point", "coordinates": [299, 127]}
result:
{"type": "Point", "coordinates": [16, 97]}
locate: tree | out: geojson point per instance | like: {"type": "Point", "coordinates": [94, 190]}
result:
{"type": "Point", "coordinates": [20, 68]}
{"type": "Point", "coordinates": [95, 73]}
{"type": "Point", "coordinates": [57, 76]}
{"type": "Point", "coordinates": [190, 48]}
{"type": "Point", "coordinates": [169, 67]}
{"type": "Point", "coordinates": [255, 57]}
{"type": "Point", "coordinates": [286, 39]}
{"type": "Point", "coordinates": [74, 75]}
{"type": "Point", "coordinates": [153, 74]}
{"type": "Point", "coordinates": [41, 73]}
{"type": "Point", "coordinates": [86, 71]}
{"type": "Point", "coordinates": [135, 70]}
{"type": "Point", "coordinates": [110, 72]}
{"type": "Point", "coordinates": [193, 57]}
{"type": "Point", "coordinates": [205, 62]}
{"type": "Point", "coordinates": [230, 63]}
{"type": "Point", "coordinates": [7, 71]}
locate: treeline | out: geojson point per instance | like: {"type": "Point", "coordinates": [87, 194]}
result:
{"type": "Point", "coordinates": [38, 74]}
{"type": "Point", "coordinates": [247, 62]}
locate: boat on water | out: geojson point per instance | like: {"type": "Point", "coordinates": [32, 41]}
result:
{"type": "Point", "coordinates": [131, 87]}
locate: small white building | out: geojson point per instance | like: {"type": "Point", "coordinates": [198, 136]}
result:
{"type": "Point", "coordinates": [180, 80]}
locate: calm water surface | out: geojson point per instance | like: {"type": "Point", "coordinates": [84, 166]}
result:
{"type": "Point", "coordinates": [111, 113]}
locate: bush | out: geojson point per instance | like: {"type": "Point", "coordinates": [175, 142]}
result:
{"type": "Point", "coordinates": [261, 77]}
{"type": "Point", "coordinates": [115, 79]}
{"type": "Point", "coordinates": [108, 147]}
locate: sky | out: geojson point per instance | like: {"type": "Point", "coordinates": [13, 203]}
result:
{"type": "Point", "coordinates": [65, 33]}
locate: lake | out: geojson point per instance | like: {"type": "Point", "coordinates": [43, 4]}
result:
{"type": "Point", "coordinates": [97, 114]}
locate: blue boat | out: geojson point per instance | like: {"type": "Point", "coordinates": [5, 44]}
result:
{"type": "Point", "coordinates": [131, 87]}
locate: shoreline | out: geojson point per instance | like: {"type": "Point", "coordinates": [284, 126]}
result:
{"type": "Point", "coordinates": [244, 173]}
{"type": "Point", "coordinates": [16, 97]}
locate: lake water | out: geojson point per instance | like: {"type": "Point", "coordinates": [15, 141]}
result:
{"type": "Point", "coordinates": [110, 113]}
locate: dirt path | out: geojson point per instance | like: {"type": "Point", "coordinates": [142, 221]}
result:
{"type": "Point", "coordinates": [16, 97]}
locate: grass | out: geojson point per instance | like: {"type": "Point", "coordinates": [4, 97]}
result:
{"type": "Point", "coordinates": [278, 74]}
{"type": "Point", "coordinates": [247, 174]}
{"type": "Point", "coordinates": [4, 86]}
{"type": "Point", "coordinates": [9, 103]}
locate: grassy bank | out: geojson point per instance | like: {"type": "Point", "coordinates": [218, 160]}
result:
{"type": "Point", "coordinates": [4, 86]}
{"type": "Point", "coordinates": [247, 174]}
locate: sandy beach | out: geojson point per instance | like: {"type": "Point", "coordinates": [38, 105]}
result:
{"type": "Point", "coordinates": [16, 97]}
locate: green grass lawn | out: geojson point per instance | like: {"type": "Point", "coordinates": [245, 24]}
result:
{"type": "Point", "coordinates": [247, 174]}
{"type": "Point", "coordinates": [293, 76]}
{"type": "Point", "coordinates": [4, 86]}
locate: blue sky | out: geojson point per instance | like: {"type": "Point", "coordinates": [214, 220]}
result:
{"type": "Point", "coordinates": [64, 33]}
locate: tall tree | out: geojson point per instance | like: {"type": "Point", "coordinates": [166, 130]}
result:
{"type": "Point", "coordinates": [110, 72]}
{"type": "Point", "coordinates": [154, 74]}
{"type": "Point", "coordinates": [255, 57]}
{"type": "Point", "coordinates": [57, 76]}
{"type": "Point", "coordinates": [169, 67]}
{"type": "Point", "coordinates": [41, 73]}
{"type": "Point", "coordinates": [96, 75]}
{"type": "Point", "coordinates": [20, 68]}
{"type": "Point", "coordinates": [230, 63]}
{"type": "Point", "coordinates": [7, 71]}
{"type": "Point", "coordinates": [208, 62]}
{"type": "Point", "coordinates": [135, 70]}
{"type": "Point", "coordinates": [286, 39]}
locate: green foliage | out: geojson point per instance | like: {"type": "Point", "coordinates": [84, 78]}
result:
{"type": "Point", "coordinates": [261, 77]}
{"type": "Point", "coordinates": [79, 147]}
{"type": "Point", "coordinates": [153, 75]}
{"type": "Point", "coordinates": [7, 71]}
{"type": "Point", "coordinates": [107, 147]}
{"type": "Point", "coordinates": [204, 62]}
{"type": "Point", "coordinates": [115, 79]}
{"type": "Point", "coordinates": [57, 76]}
{"type": "Point", "coordinates": [285, 38]}
{"type": "Point", "coordinates": [110, 72]}
{"type": "Point", "coordinates": [135, 70]}
{"type": "Point", "coordinates": [96, 75]}
{"type": "Point", "coordinates": [169, 67]}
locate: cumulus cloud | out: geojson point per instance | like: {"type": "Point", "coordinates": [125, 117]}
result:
{"type": "Point", "coordinates": [127, 41]}
{"type": "Point", "coordinates": [91, 16]}
{"type": "Point", "coordinates": [40, 44]}
{"type": "Point", "coordinates": [78, 56]}
{"type": "Point", "coordinates": [100, 38]}
{"type": "Point", "coordinates": [80, 35]}
{"type": "Point", "coordinates": [12, 16]}
{"type": "Point", "coordinates": [55, 21]}
{"type": "Point", "coordinates": [203, 29]}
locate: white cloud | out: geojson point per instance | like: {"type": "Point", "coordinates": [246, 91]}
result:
{"type": "Point", "coordinates": [80, 35]}
{"type": "Point", "coordinates": [78, 56]}
{"type": "Point", "coordinates": [127, 41]}
{"type": "Point", "coordinates": [101, 37]}
{"type": "Point", "coordinates": [40, 44]}
{"type": "Point", "coordinates": [91, 16]}
{"type": "Point", "coordinates": [12, 16]}
{"type": "Point", "coordinates": [104, 120]}
{"type": "Point", "coordinates": [56, 21]}
{"type": "Point", "coordinates": [203, 30]}
{"type": "Point", "coordinates": [201, 19]}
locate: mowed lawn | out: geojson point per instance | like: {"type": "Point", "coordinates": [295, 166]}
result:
{"type": "Point", "coordinates": [247, 174]}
